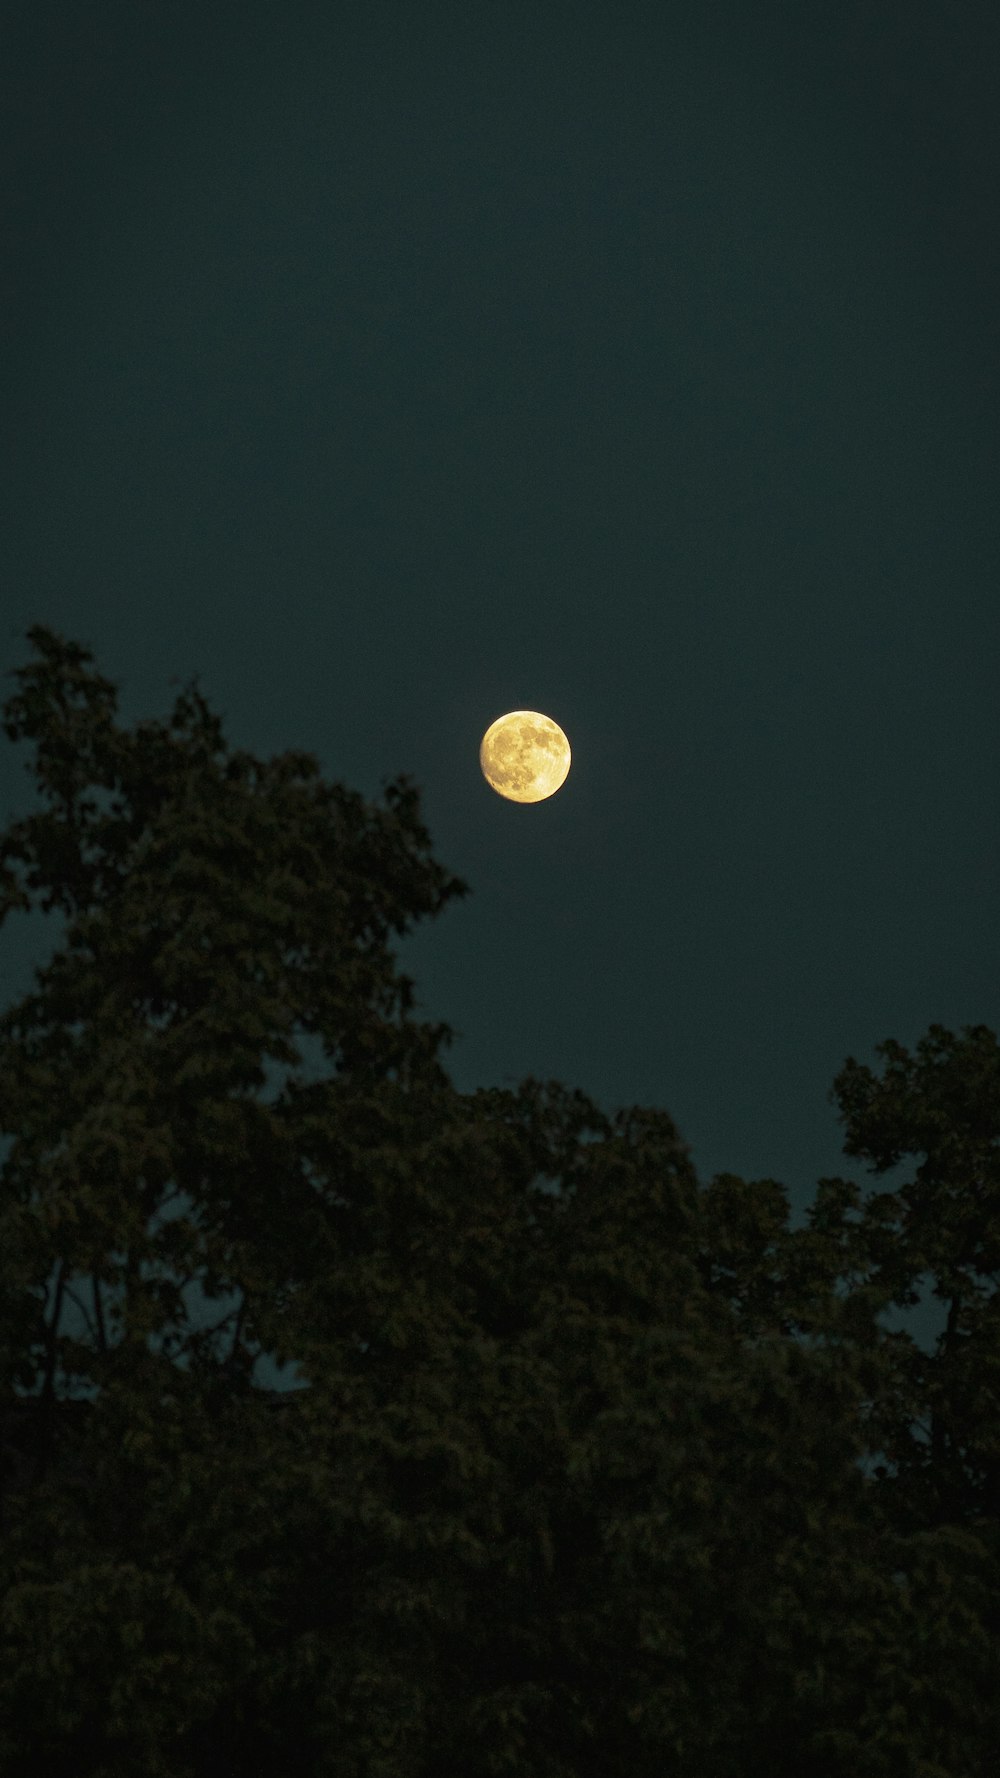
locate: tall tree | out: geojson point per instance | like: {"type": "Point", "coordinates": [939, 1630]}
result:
{"type": "Point", "coordinates": [217, 909]}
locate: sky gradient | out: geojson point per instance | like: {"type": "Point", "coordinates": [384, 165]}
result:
{"type": "Point", "coordinates": [391, 367]}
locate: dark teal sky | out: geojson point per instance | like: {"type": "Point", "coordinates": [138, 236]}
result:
{"type": "Point", "coordinates": [391, 366]}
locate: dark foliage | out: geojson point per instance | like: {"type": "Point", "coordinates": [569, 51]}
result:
{"type": "Point", "coordinates": [577, 1480]}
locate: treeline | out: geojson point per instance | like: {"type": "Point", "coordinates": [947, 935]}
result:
{"type": "Point", "coordinates": [618, 1478]}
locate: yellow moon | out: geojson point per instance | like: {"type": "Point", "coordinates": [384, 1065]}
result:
{"type": "Point", "coordinates": [524, 756]}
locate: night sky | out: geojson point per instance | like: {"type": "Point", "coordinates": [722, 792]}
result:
{"type": "Point", "coordinates": [393, 366]}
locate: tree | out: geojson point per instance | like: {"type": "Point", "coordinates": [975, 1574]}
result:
{"type": "Point", "coordinates": [942, 1431]}
{"type": "Point", "coordinates": [217, 909]}
{"type": "Point", "coordinates": [575, 1482]}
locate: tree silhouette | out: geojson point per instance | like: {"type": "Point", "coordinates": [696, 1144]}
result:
{"type": "Point", "coordinates": [577, 1480]}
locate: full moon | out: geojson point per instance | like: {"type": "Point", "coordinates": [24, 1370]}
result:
{"type": "Point", "coordinates": [524, 756]}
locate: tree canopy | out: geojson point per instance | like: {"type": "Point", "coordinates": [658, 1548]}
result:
{"type": "Point", "coordinates": [578, 1478]}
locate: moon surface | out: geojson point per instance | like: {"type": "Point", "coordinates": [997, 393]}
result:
{"type": "Point", "coordinates": [524, 756]}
